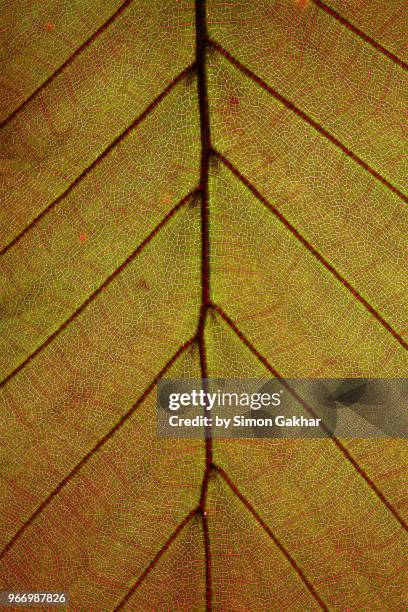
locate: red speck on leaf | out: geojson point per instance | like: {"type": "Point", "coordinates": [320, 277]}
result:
{"type": "Point", "coordinates": [83, 237]}
{"type": "Point", "coordinates": [50, 27]}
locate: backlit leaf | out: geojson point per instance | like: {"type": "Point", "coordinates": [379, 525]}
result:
{"type": "Point", "coordinates": [197, 189]}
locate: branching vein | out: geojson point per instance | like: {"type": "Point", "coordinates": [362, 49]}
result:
{"type": "Point", "coordinates": [310, 410]}
{"type": "Point", "coordinates": [319, 128]}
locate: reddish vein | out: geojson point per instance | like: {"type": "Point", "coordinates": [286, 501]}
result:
{"type": "Point", "coordinates": [313, 250]}
{"type": "Point", "coordinates": [360, 33]}
{"type": "Point", "coordinates": [273, 537]}
{"type": "Point", "coordinates": [310, 410]}
{"type": "Point", "coordinates": [157, 558]}
{"type": "Point", "coordinates": [291, 106]}
{"type": "Point", "coordinates": [100, 157]}
{"type": "Point", "coordinates": [75, 54]}
{"type": "Point", "coordinates": [99, 290]}
{"type": "Point", "coordinates": [95, 449]}
{"type": "Point", "coordinates": [201, 44]}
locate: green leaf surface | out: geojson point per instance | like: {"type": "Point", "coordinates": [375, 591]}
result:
{"type": "Point", "coordinates": [192, 190]}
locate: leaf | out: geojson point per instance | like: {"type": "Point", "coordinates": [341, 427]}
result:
{"type": "Point", "coordinates": [197, 190]}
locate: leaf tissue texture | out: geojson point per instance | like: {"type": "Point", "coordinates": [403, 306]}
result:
{"type": "Point", "coordinates": [192, 190]}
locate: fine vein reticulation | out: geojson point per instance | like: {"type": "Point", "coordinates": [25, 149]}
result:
{"type": "Point", "coordinates": [202, 192]}
{"type": "Point", "coordinates": [102, 156]}
{"type": "Point", "coordinates": [68, 61]}
{"type": "Point", "coordinates": [368, 39]}
{"type": "Point", "coordinates": [319, 128]}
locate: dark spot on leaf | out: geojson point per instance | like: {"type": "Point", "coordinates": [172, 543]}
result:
{"type": "Point", "coordinates": [142, 284]}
